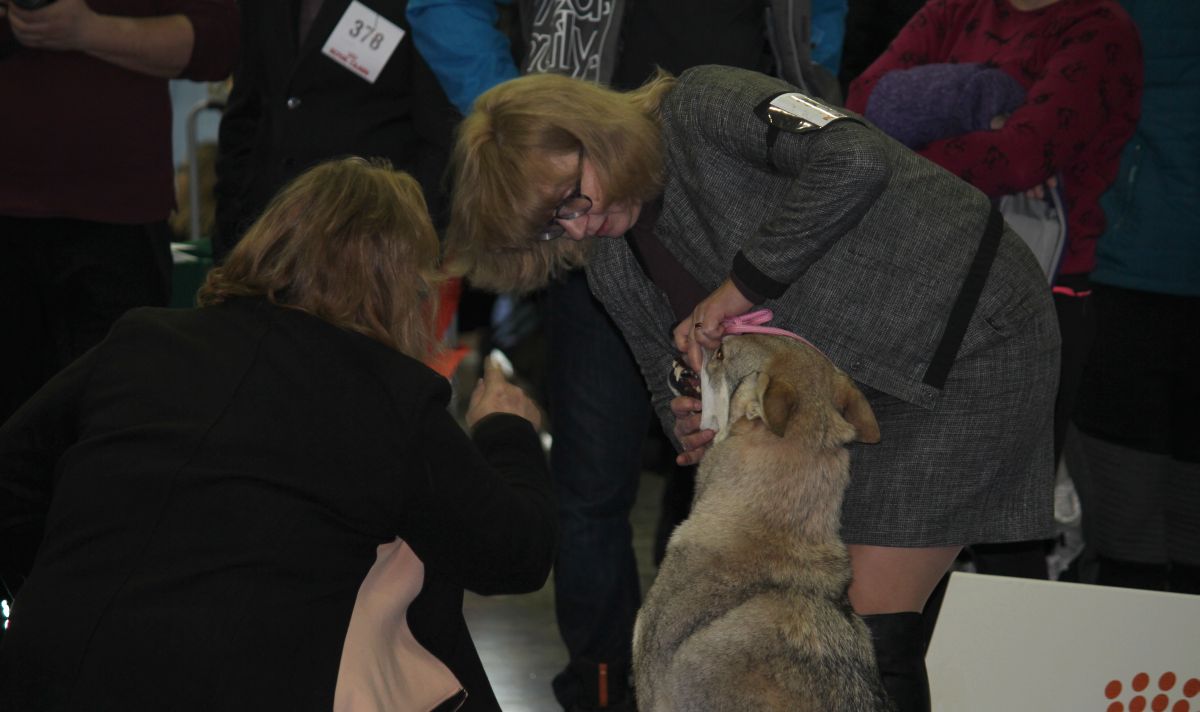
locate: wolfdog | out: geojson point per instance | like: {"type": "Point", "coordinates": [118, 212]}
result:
{"type": "Point", "coordinates": [749, 609]}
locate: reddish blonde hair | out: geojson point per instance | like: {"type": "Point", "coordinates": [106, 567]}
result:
{"type": "Point", "coordinates": [349, 241]}
{"type": "Point", "coordinates": [506, 182]}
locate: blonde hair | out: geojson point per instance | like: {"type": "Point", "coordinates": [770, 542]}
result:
{"type": "Point", "coordinates": [350, 242]}
{"type": "Point", "coordinates": [507, 183]}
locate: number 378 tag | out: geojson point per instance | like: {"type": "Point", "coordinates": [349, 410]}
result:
{"type": "Point", "coordinates": [363, 41]}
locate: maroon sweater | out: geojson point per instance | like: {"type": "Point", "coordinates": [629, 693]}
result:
{"type": "Point", "coordinates": [82, 138]}
{"type": "Point", "coordinates": [1080, 62]}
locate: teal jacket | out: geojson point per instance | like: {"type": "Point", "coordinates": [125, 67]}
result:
{"type": "Point", "coordinates": [1153, 238]}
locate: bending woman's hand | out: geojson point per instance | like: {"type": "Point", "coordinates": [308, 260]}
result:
{"type": "Point", "coordinates": [703, 328]}
{"type": "Point", "coordinates": [494, 394]}
{"type": "Point", "coordinates": [695, 441]}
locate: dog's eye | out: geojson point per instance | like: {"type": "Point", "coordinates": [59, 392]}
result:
{"type": "Point", "coordinates": [720, 354]}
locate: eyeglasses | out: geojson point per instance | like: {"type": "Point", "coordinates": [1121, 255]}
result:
{"type": "Point", "coordinates": [573, 206]}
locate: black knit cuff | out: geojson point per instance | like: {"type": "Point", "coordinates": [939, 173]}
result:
{"type": "Point", "coordinates": [752, 296]}
{"type": "Point", "coordinates": [501, 426]}
{"type": "Point", "coordinates": [756, 286]}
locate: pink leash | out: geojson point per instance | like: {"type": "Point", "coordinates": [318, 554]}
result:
{"type": "Point", "coordinates": [1068, 292]}
{"type": "Point", "coordinates": [752, 323]}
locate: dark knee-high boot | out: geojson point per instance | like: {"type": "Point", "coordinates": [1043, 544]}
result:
{"type": "Point", "coordinates": [1131, 574]}
{"type": "Point", "coordinates": [1183, 579]}
{"type": "Point", "coordinates": [899, 642]}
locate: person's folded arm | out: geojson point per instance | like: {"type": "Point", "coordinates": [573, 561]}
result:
{"type": "Point", "coordinates": [1092, 76]}
{"type": "Point", "coordinates": [216, 38]}
{"type": "Point", "coordinates": [197, 42]}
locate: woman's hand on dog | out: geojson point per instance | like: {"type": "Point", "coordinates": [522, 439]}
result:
{"type": "Point", "coordinates": [704, 328]}
{"type": "Point", "coordinates": [494, 394]}
{"type": "Point", "coordinates": [695, 441]}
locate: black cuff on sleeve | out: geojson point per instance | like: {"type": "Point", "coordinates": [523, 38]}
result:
{"type": "Point", "coordinates": [757, 286]}
{"type": "Point", "coordinates": [502, 427]}
{"type": "Point", "coordinates": [747, 292]}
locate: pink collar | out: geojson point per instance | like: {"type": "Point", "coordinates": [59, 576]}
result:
{"type": "Point", "coordinates": [752, 323]}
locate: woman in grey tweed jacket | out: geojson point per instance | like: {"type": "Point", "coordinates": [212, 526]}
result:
{"type": "Point", "coordinates": [898, 270]}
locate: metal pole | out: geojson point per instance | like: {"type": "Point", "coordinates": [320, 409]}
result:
{"type": "Point", "coordinates": [193, 168]}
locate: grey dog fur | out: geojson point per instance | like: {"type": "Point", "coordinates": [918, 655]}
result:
{"type": "Point", "coordinates": [749, 610]}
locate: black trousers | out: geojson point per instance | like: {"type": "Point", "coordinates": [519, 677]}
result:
{"type": "Point", "coordinates": [62, 285]}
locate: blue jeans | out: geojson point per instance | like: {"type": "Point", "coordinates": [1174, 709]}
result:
{"type": "Point", "coordinates": [599, 410]}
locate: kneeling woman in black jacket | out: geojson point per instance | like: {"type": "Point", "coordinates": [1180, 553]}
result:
{"type": "Point", "coordinates": [232, 506]}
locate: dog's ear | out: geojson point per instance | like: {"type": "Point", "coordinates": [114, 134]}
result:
{"type": "Point", "coordinates": [777, 399]}
{"type": "Point", "coordinates": [853, 406]}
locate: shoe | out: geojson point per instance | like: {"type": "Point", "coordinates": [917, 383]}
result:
{"type": "Point", "coordinates": [586, 686]}
{"type": "Point", "coordinates": [627, 705]}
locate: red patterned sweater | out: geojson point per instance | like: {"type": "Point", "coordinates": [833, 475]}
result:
{"type": "Point", "coordinates": [1080, 62]}
{"type": "Point", "coordinates": [85, 139]}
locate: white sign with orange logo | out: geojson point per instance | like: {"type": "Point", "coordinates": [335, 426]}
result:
{"type": "Point", "coordinates": [1003, 644]}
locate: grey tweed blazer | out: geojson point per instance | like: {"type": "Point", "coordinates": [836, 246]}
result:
{"type": "Point", "coordinates": [863, 243]}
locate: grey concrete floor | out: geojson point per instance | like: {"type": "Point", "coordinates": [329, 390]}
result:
{"type": "Point", "coordinates": [517, 637]}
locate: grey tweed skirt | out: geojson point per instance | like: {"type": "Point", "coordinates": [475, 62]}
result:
{"type": "Point", "coordinates": [978, 466]}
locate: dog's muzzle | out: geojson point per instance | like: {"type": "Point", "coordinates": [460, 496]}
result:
{"type": "Point", "coordinates": [683, 381]}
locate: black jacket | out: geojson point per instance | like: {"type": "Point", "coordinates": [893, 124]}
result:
{"type": "Point", "coordinates": [292, 107]}
{"type": "Point", "coordinates": [213, 484]}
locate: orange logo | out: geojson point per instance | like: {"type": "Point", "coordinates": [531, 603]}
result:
{"type": "Point", "coordinates": [1166, 697]}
